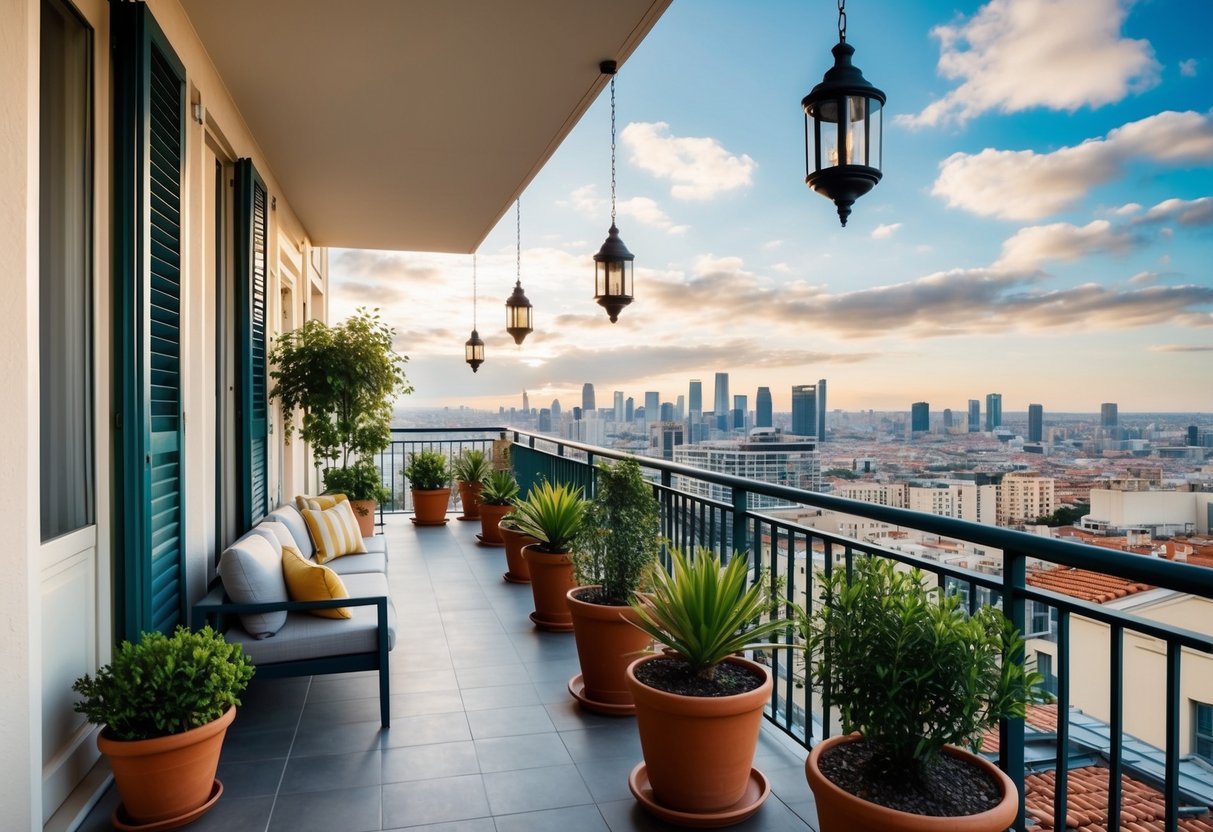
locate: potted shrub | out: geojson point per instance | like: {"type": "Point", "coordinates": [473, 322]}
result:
{"type": "Point", "coordinates": [470, 468]}
{"type": "Point", "coordinates": [362, 485]}
{"type": "Point", "coordinates": [497, 496]}
{"type": "Point", "coordinates": [344, 379]}
{"type": "Point", "coordinates": [430, 479]}
{"type": "Point", "coordinates": [614, 555]}
{"type": "Point", "coordinates": [166, 704]}
{"type": "Point", "coordinates": [698, 706]}
{"type": "Point", "coordinates": [913, 675]}
{"type": "Point", "coordinates": [551, 514]}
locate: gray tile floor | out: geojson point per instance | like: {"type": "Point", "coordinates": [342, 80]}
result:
{"type": "Point", "coordinates": [484, 736]}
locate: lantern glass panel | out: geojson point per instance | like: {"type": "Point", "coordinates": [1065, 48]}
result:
{"type": "Point", "coordinates": [856, 132]}
{"type": "Point", "coordinates": [518, 317]}
{"type": "Point", "coordinates": [875, 147]}
{"type": "Point", "coordinates": [613, 278]}
{"type": "Point", "coordinates": [473, 352]}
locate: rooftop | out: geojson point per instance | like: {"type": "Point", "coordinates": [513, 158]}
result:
{"type": "Point", "coordinates": [1085, 585]}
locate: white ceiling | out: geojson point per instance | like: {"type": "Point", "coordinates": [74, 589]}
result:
{"type": "Point", "coordinates": [413, 124]}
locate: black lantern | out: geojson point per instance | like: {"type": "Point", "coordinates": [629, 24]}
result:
{"type": "Point", "coordinates": [613, 262]}
{"type": "Point", "coordinates": [518, 321]}
{"type": "Point", "coordinates": [473, 348]}
{"type": "Point", "coordinates": [842, 129]}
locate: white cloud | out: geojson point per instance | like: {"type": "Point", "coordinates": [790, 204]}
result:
{"type": "Point", "coordinates": [1030, 247]}
{"type": "Point", "coordinates": [883, 231]}
{"type": "Point", "coordinates": [1026, 185]}
{"type": "Point", "coordinates": [585, 200]}
{"type": "Point", "coordinates": [1188, 68]}
{"type": "Point", "coordinates": [771, 245]}
{"type": "Point", "coordinates": [1144, 278]}
{"type": "Point", "coordinates": [648, 212]}
{"type": "Point", "coordinates": [699, 167]}
{"type": "Point", "coordinates": [1015, 55]}
{"type": "Point", "coordinates": [1194, 212]}
{"type": "Point", "coordinates": [1127, 209]}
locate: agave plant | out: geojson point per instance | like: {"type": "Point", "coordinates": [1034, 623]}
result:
{"type": "Point", "coordinates": [552, 515]}
{"type": "Point", "coordinates": [499, 489]}
{"type": "Point", "coordinates": [704, 612]}
{"type": "Point", "coordinates": [471, 466]}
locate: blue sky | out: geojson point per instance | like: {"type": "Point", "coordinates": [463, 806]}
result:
{"type": "Point", "coordinates": [1044, 228]}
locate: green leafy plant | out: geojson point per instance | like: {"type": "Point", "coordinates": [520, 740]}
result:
{"type": "Point", "coordinates": [471, 466]}
{"type": "Point", "coordinates": [617, 543]}
{"type": "Point", "coordinates": [551, 514]}
{"type": "Point", "coordinates": [165, 684]}
{"type": "Point", "coordinates": [359, 481]}
{"type": "Point", "coordinates": [704, 612]}
{"type": "Point", "coordinates": [427, 471]}
{"type": "Point", "coordinates": [908, 668]}
{"type": "Point", "coordinates": [499, 489]}
{"type": "Point", "coordinates": [344, 379]}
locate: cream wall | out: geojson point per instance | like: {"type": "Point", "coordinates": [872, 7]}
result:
{"type": "Point", "coordinates": [1127, 509]}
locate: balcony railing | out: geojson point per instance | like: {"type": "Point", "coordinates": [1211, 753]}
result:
{"type": "Point", "coordinates": [786, 552]}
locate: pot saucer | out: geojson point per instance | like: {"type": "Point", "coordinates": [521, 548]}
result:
{"type": "Point", "coordinates": [577, 689]}
{"type": "Point", "coordinates": [551, 626]}
{"type": "Point", "coordinates": [466, 517]}
{"type": "Point", "coordinates": [511, 578]}
{"type": "Point", "coordinates": [756, 792]}
{"type": "Point", "coordinates": [492, 544]}
{"type": "Point", "coordinates": [120, 821]}
{"type": "Point", "coordinates": [441, 522]}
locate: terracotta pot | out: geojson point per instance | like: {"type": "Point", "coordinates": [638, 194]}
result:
{"type": "Point", "coordinates": [469, 498]}
{"type": "Point", "coordinates": [490, 516]}
{"type": "Point", "coordinates": [606, 644]}
{"type": "Point", "coordinates": [839, 810]}
{"type": "Point", "coordinates": [364, 511]}
{"type": "Point", "coordinates": [551, 580]}
{"type": "Point", "coordinates": [166, 777]}
{"type": "Point", "coordinates": [429, 507]}
{"type": "Point", "coordinates": [518, 572]}
{"type": "Point", "coordinates": [698, 750]}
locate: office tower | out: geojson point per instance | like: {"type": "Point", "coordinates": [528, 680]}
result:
{"type": "Point", "coordinates": [629, 409]}
{"type": "Point", "coordinates": [667, 412]}
{"type": "Point", "coordinates": [652, 405]}
{"type": "Point", "coordinates": [993, 410]}
{"type": "Point", "coordinates": [545, 420]}
{"type": "Point", "coordinates": [618, 402]}
{"type": "Point", "coordinates": [974, 416]}
{"type": "Point", "coordinates": [695, 397]}
{"type": "Point", "coordinates": [762, 408]}
{"type": "Point", "coordinates": [804, 410]}
{"type": "Point", "coordinates": [576, 414]}
{"type": "Point", "coordinates": [680, 408]}
{"type": "Point", "coordinates": [821, 410]}
{"type": "Point", "coordinates": [1193, 436]}
{"type": "Point", "coordinates": [920, 417]}
{"type": "Point", "coordinates": [526, 403]}
{"type": "Point", "coordinates": [1108, 417]}
{"type": "Point", "coordinates": [587, 398]}
{"type": "Point", "coordinates": [556, 412]}
{"type": "Point", "coordinates": [722, 401]}
{"type": "Point", "coordinates": [740, 405]}
{"type": "Point", "coordinates": [947, 418]}
{"type": "Point", "coordinates": [1036, 422]}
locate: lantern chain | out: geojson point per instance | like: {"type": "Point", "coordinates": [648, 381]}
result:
{"type": "Point", "coordinates": [612, 150]}
{"type": "Point", "coordinates": [842, 21]}
{"type": "Point", "coordinates": [518, 241]}
{"type": "Point", "coordinates": [473, 290]}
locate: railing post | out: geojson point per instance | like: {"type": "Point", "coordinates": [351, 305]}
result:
{"type": "Point", "coordinates": [741, 539]}
{"type": "Point", "coordinates": [1010, 739]}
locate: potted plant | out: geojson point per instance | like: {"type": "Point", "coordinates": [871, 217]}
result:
{"type": "Point", "coordinates": [699, 706]}
{"type": "Point", "coordinates": [913, 675]}
{"type": "Point", "coordinates": [614, 555]}
{"type": "Point", "coordinates": [515, 540]}
{"type": "Point", "coordinates": [551, 514]}
{"type": "Point", "coordinates": [497, 496]}
{"type": "Point", "coordinates": [430, 479]}
{"type": "Point", "coordinates": [470, 468]}
{"type": "Point", "coordinates": [362, 485]}
{"type": "Point", "coordinates": [166, 704]}
{"type": "Point", "coordinates": [344, 379]}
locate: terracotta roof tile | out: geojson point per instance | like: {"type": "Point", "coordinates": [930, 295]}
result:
{"type": "Point", "coordinates": [1142, 807]}
{"type": "Point", "coordinates": [1040, 717]}
{"type": "Point", "coordinates": [1085, 585]}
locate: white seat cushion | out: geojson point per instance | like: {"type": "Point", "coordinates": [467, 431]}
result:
{"type": "Point", "coordinates": [251, 571]}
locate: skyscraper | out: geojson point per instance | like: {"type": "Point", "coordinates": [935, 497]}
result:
{"type": "Point", "coordinates": [947, 418]}
{"type": "Point", "coordinates": [629, 409]}
{"type": "Point", "coordinates": [545, 421]}
{"type": "Point", "coordinates": [695, 398]}
{"type": "Point", "coordinates": [680, 408]}
{"type": "Point", "coordinates": [920, 417]}
{"type": "Point", "coordinates": [526, 403]}
{"type": "Point", "coordinates": [740, 406]}
{"type": "Point", "coordinates": [974, 416]}
{"type": "Point", "coordinates": [804, 410]}
{"type": "Point", "coordinates": [762, 408]}
{"type": "Point", "coordinates": [652, 405]}
{"type": "Point", "coordinates": [1109, 419]}
{"type": "Point", "coordinates": [587, 398]}
{"type": "Point", "coordinates": [993, 410]}
{"type": "Point", "coordinates": [618, 405]}
{"type": "Point", "coordinates": [821, 410]}
{"type": "Point", "coordinates": [722, 401]}
{"type": "Point", "coordinates": [1036, 422]}
{"type": "Point", "coordinates": [556, 412]}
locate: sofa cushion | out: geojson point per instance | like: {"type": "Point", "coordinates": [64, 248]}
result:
{"type": "Point", "coordinates": [359, 564]}
{"type": "Point", "coordinates": [290, 517]}
{"type": "Point", "coordinates": [251, 571]}
{"type": "Point", "coordinates": [334, 532]}
{"type": "Point", "coordinates": [276, 533]}
{"type": "Point", "coordinates": [319, 502]}
{"type": "Point", "coordinates": [307, 581]}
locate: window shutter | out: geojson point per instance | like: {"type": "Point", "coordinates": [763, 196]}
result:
{"type": "Point", "coordinates": [252, 253]}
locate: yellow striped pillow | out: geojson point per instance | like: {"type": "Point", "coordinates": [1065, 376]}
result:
{"type": "Point", "coordinates": [319, 502]}
{"type": "Point", "coordinates": [334, 531]}
{"type": "Point", "coordinates": [307, 581]}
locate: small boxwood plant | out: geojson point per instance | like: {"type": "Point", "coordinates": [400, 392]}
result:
{"type": "Point", "coordinates": [617, 544]}
{"type": "Point", "coordinates": [359, 481]}
{"type": "Point", "coordinates": [427, 471]}
{"type": "Point", "coordinates": [165, 684]}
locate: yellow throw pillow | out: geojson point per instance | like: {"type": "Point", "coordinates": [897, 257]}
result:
{"type": "Point", "coordinates": [334, 531]}
{"type": "Point", "coordinates": [319, 502]}
{"type": "Point", "coordinates": [307, 581]}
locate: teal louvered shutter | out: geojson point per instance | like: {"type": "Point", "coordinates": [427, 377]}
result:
{"type": "Point", "coordinates": [252, 404]}
{"type": "Point", "coordinates": [149, 151]}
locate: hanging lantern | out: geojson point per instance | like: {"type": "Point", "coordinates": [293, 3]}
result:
{"type": "Point", "coordinates": [518, 320]}
{"type": "Point", "coordinates": [473, 348]}
{"type": "Point", "coordinates": [842, 129]}
{"type": "Point", "coordinates": [613, 262]}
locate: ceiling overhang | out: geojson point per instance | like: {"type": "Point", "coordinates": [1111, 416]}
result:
{"type": "Point", "coordinates": [412, 124]}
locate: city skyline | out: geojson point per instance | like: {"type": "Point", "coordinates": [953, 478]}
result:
{"type": "Point", "coordinates": [1047, 239]}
